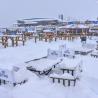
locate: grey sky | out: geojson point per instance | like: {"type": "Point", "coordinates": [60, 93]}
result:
{"type": "Point", "coordinates": [11, 10]}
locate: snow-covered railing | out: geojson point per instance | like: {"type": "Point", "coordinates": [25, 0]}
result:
{"type": "Point", "coordinates": [36, 59]}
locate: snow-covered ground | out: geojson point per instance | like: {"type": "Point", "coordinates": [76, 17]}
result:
{"type": "Point", "coordinates": [42, 87]}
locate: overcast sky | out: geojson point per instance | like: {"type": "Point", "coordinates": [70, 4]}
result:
{"type": "Point", "coordinates": [12, 10]}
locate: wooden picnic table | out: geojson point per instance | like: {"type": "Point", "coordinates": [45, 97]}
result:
{"type": "Point", "coordinates": [68, 71]}
{"type": "Point", "coordinates": [39, 72]}
{"type": "Point", "coordinates": [65, 77]}
{"type": "Point", "coordinates": [14, 39]}
{"type": "Point", "coordinates": [42, 66]}
{"type": "Point", "coordinates": [69, 65]}
{"type": "Point", "coordinates": [94, 54]}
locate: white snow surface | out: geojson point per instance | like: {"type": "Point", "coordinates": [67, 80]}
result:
{"type": "Point", "coordinates": [42, 87]}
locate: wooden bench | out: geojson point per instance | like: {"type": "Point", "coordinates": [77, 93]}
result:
{"type": "Point", "coordinates": [20, 83]}
{"type": "Point", "coordinates": [68, 71]}
{"type": "Point", "coordinates": [94, 55]}
{"type": "Point", "coordinates": [65, 79]}
{"type": "Point", "coordinates": [38, 72]}
{"type": "Point", "coordinates": [83, 52]}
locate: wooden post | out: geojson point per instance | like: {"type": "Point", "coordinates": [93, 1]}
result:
{"type": "Point", "coordinates": [74, 82]}
{"type": "Point", "coordinates": [0, 81]}
{"type": "Point", "coordinates": [55, 38]}
{"type": "Point", "coordinates": [23, 39]}
{"type": "Point", "coordinates": [5, 42]}
{"type": "Point", "coordinates": [35, 39]}
{"type": "Point", "coordinates": [68, 70]}
{"type": "Point", "coordinates": [45, 39]}
{"type": "Point", "coordinates": [72, 72]}
{"type": "Point", "coordinates": [58, 80]}
{"type": "Point", "coordinates": [2, 40]}
{"type": "Point", "coordinates": [63, 71]}
{"type": "Point", "coordinates": [53, 80]}
{"type": "Point", "coordinates": [68, 82]}
{"type": "Point", "coordinates": [63, 82]}
{"type": "Point", "coordinates": [12, 42]}
{"type": "Point", "coordinates": [4, 81]}
{"type": "Point", "coordinates": [16, 38]}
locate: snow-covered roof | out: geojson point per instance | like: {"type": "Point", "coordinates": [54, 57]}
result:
{"type": "Point", "coordinates": [30, 22]}
{"type": "Point", "coordinates": [47, 30]}
{"type": "Point", "coordinates": [40, 19]}
{"type": "Point", "coordinates": [74, 26]}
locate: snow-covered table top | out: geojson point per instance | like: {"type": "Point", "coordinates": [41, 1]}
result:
{"type": "Point", "coordinates": [63, 76]}
{"type": "Point", "coordinates": [94, 53]}
{"type": "Point", "coordinates": [43, 64]}
{"type": "Point", "coordinates": [70, 63]}
{"type": "Point", "coordinates": [82, 49]}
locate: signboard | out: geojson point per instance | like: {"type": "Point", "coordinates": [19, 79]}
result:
{"type": "Point", "coordinates": [62, 47]}
{"type": "Point", "coordinates": [54, 53]}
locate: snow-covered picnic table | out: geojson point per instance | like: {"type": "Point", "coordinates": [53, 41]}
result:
{"type": "Point", "coordinates": [63, 77]}
{"type": "Point", "coordinates": [95, 54]}
{"type": "Point", "coordinates": [13, 73]}
{"type": "Point", "coordinates": [82, 50]}
{"type": "Point", "coordinates": [70, 65]}
{"type": "Point", "coordinates": [43, 64]}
